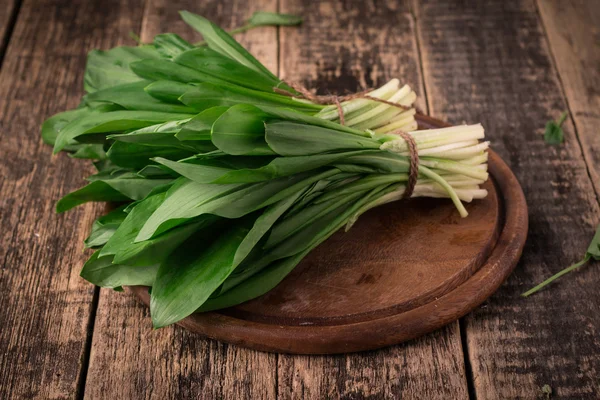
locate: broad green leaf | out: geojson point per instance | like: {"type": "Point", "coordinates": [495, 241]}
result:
{"type": "Point", "coordinates": [213, 63]}
{"type": "Point", "coordinates": [105, 69]}
{"type": "Point", "coordinates": [222, 42]}
{"type": "Point", "coordinates": [95, 191]}
{"type": "Point", "coordinates": [132, 96]}
{"type": "Point", "coordinates": [167, 91]}
{"type": "Point", "coordinates": [137, 156]}
{"type": "Point", "coordinates": [53, 125]}
{"type": "Point", "coordinates": [166, 70]}
{"type": "Point", "coordinates": [199, 127]}
{"type": "Point", "coordinates": [263, 18]}
{"type": "Point", "coordinates": [125, 250]}
{"type": "Point", "coordinates": [293, 139]}
{"type": "Point", "coordinates": [256, 285]}
{"type": "Point", "coordinates": [88, 151]}
{"type": "Point", "coordinates": [189, 199]}
{"type": "Point", "coordinates": [116, 121]}
{"type": "Point", "coordinates": [170, 45]}
{"type": "Point", "coordinates": [183, 202]}
{"type": "Point", "coordinates": [188, 277]}
{"type": "Point", "coordinates": [240, 131]}
{"type": "Point", "coordinates": [104, 227]}
{"type": "Point", "coordinates": [102, 272]}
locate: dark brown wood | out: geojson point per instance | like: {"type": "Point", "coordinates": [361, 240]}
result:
{"type": "Point", "coordinates": [46, 308]}
{"type": "Point", "coordinates": [489, 61]}
{"type": "Point", "coordinates": [401, 271]}
{"type": "Point", "coordinates": [572, 30]}
{"type": "Point", "coordinates": [129, 360]}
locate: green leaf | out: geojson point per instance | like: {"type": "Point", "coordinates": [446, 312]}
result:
{"type": "Point", "coordinates": [188, 277]}
{"type": "Point", "coordinates": [553, 133]}
{"type": "Point", "coordinates": [206, 95]}
{"type": "Point", "coordinates": [222, 42]}
{"type": "Point", "coordinates": [168, 91]}
{"type": "Point", "coordinates": [132, 96]}
{"type": "Point", "coordinates": [263, 18]}
{"type": "Point", "coordinates": [293, 139]}
{"type": "Point", "coordinates": [593, 252]}
{"type": "Point", "coordinates": [89, 152]}
{"type": "Point", "coordinates": [95, 191]}
{"type": "Point", "coordinates": [104, 227]}
{"type": "Point", "coordinates": [277, 168]}
{"type": "Point", "coordinates": [116, 121]}
{"type": "Point", "coordinates": [199, 127]}
{"type": "Point", "coordinates": [137, 156]}
{"type": "Point", "coordinates": [102, 272]}
{"type": "Point", "coordinates": [170, 45]}
{"type": "Point", "coordinates": [188, 199]}
{"type": "Point", "coordinates": [53, 125]}
{"type": "Point", "coordinates": [125, 250]}
{"type": "Point", "coordinates": [105, 69]}
{"type": "Point", "coordinates": [240, 131]}
{"type": "Point", "coordinates": [594, 247]}
{"type": "Point", "coordinates": [215, 64]}
{"type": "Point", "coordinates": [166, 70]}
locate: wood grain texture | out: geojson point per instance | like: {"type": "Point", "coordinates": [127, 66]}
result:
{"type": "Point", "coordinates": [46, 307]}
{"type": "Point", "coordinates": [573, 30]}
{"type": "Point", "coordinates": [489, 61]}
{"type": "Point", "coordinates": [343, 46]}
{"type": "Point", "coordinates": [128, 359]}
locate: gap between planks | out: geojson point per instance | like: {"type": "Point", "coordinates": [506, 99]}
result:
{"type": "Point", "coordinates": [7, 30]}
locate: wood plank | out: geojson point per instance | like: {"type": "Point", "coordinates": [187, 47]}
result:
{"type": "Point", "coordinates": [7, 18]}
{"type": "Point", "coordinates": [489, 61]}
{"type": "Point", "coordinates": [573, 28]}
{"type": "Point", "coordinates": [46, 307]}
{"type": "Point", "coordinates": [350, 46]}
{"type": "Point", "coordinates": [176, 363]}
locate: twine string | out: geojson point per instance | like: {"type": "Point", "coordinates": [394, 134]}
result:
{"type": "Point", "coordinates": [413, 172]}
{"type": "Point", "coordinates": [332, 98]}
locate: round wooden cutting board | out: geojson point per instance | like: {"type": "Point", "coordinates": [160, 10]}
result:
{"type": "Point", "coordinates": [404, 269]}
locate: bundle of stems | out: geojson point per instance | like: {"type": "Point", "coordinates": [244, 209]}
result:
{"type": "Point", "coordinates": [223, 183]}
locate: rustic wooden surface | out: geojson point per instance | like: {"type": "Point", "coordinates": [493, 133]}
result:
{"type": "Point", "coordinates": [511, 65]}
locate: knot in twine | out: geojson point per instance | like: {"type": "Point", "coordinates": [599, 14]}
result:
{"type": "Point", "coordinates": [304, 93]}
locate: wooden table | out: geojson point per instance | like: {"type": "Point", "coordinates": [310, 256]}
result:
{"type": "Point", "coordinates": [511, 65]}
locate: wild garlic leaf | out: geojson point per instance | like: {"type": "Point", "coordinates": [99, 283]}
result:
{"type": "Point", "coordinates": [263, 18]}
{"type": "Point", "coordinates": [553, 133]}
{"type": "Point", "coordinates": [102, 272]}
{"type": "Point", "coordinates": [170, 45]}
{"type": "Point", "coordinates": [110, 122]}
{"type": "Point", "coordinates": [593, 252]}
{"type": "Point", "coordinates": [95, 191]}
{"type": "Point", "coordinates": [221, 41]}
{"type": "Point", "coordinates": [104, 227]}
{"type": "Point", "coordinates": [188, 277]}
{"type": "Point", "coordinates": [133, 96]}
{"type": "Point", "coordinates": [594, 247]}
{"type": "Point", "coordinates": [109, 68]}
{"type": "Point", "coordinates": [213, 63]}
